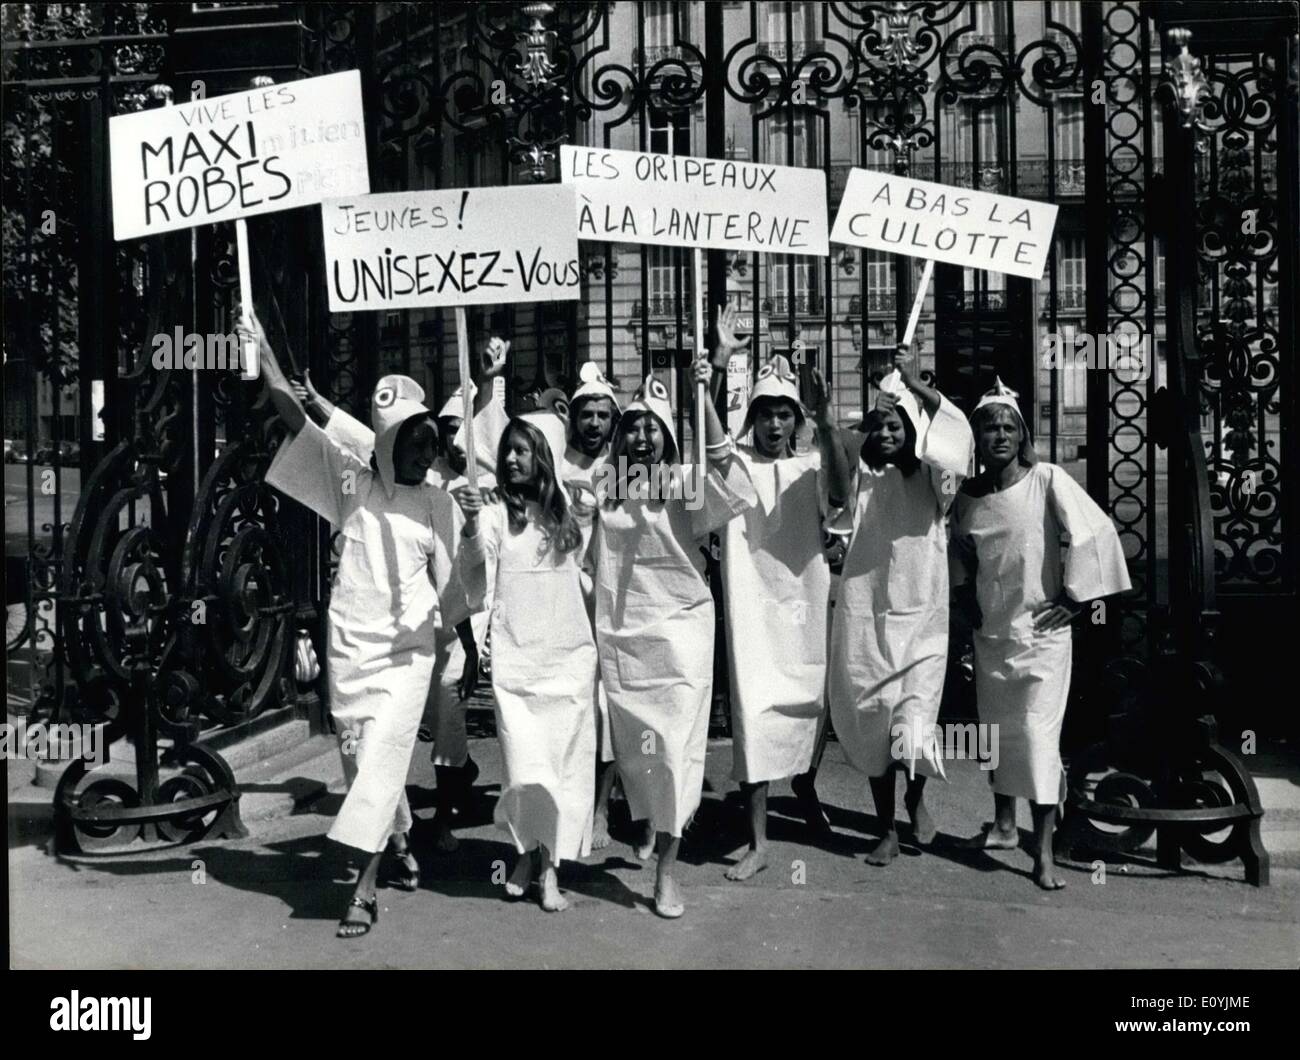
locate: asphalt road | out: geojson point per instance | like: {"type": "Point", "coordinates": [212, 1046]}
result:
{"type": "Point", "coordinates": [273, 900]}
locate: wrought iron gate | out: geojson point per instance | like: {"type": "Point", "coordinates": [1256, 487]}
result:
{"type": "Point", "coordinates": [1053, 100]}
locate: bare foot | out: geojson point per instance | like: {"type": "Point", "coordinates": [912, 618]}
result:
{"type": "Point", "coordinates": [668, 899]}
{"type": "Point", "coordinates": [1046, 878]}
{"type": "Point", "coordinates": [809, 805]}
{"type": "Point", "coordinates": [754, 861]}
{"type": "Point", "coordinates": [444, 840]}
{"type": "Point", "coordinates": [923, 829]}
{"type": "Point", "coordinates": [600, 832]}
{"type": "Point", "coordinates": [521, 877]}
{"type": "Point", "coordinates": [992, 838]}
{"type": "Point", "coordinates": [551, 899]}
{"type": "Point", "coordinates": [885, 851]}
{"type": "Point", "coordinates": [646, 847]}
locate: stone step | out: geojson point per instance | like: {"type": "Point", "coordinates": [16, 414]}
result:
{"type": "Point", "coordinates": [291, 781]}
{"type": "Point", "coordinates": [275, 732]}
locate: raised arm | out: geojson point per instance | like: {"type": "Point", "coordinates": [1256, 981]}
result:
{"type": "Point", "coordinates": [835, 464]}
{"type": "Point", "coordinates": [317, 407]}
{"type": "Point", "coordinates": [926, 395]}
{"type": "Point", "coordinates": [283, 399]}
{"type": "Point", "coordinates": [494, 363]}
{"type": "Point", "coordinates": [725, 344]}
{"type": "Point", "coordinates": [714, 435]}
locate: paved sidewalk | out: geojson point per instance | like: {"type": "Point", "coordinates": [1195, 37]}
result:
{"type": "Point", "coordinates": [273, 900]}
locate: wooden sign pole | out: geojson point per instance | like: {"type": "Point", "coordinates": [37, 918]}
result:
{"type": "Point", "coordinates": [702, 350]}
{"type": "Point", "coordinates": [467, 388]}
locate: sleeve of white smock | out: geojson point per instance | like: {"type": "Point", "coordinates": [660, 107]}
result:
{"type": "Point", "coordinates": [470, 569]}
{"type": "Point", "coordinates": [447, 520]}
{"type": "Point", "coordinates": [948, 452]}
{"type": "Point", "coordinates": [726, 492]}
{"type": "Point", "coordinates": [351, 434]}
{"type": "Point", "coordinates": [317, 472]}
{"type": "Point", "coordinates": [1094, 560]}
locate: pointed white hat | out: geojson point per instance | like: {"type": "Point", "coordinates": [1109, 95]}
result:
{"type": "Point", "coordinates": [1001, 394]}
{"type": "Point", "coordinates": [652, 396]}
{"type": "Point", "coordinates": [397, 398]}
{"type": "Point", "coordinates": [594, 384]}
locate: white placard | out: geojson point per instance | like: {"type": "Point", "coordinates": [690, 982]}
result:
{"type": "Point", "coordinates": [453, 247]}
{"type": "Point", "coordinates": [240, 155]}
{"type": "Point", "coordinates": [958, 226]}
{"type": "Point", "coordinates": [680, 201]}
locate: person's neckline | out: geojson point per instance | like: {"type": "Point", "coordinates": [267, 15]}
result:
{"type": "Point", "coordinates": [1007, 489]}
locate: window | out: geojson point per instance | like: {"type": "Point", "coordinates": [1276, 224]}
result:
{"type": "Point", "coordinates": [880, 281]}
{"type": "Point", "coordinates": [1073, 381]}
{"type": "Point", "coordinates": [1069, 129]}
{"type": "Point", "coordinates": [661, 278]}
{"type": "Point", "coordinates": [670, 131]}
{"type": "Point", "coordinates": [661, 35]}
{"type": "Point", "coordinates": [790, 140]}
{"type": "Point", "coordinates": [983, 290]}
{"type": "Point", "coordinates": [1069, 273]}
{"type": "Point", "coordinates": [806, 296]}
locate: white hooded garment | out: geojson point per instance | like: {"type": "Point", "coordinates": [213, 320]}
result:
{"type": "Point", "coordinates": [654, 631]}
{"type": "Point", "coordinates": [543, 678]}
{"type": "Point", "coordinates": [383, 615]}
{"type": "Point", "coordinates": [776, 591]}
{"type": "Point", "coordinates": [444, 710]}
{"type": "Point", "coordinates": [889, 636]}
{"type": "Point", "coordinates": [1022, 678]}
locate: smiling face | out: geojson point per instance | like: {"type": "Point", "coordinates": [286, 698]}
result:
{"type": "Point", "coordinates": [593, 425]}
{"type": "Point", "coordinates": [415, 449]}
{"type": "Point", "coordinates": [774, 425]}
{"type": "Point", "coordinates": [886, 434]}
{"type": "Point", "coordinates": [518, 459]}
{"type": "Point", "coordinates": [999, 436]}
{"type": "Point", "coordinates": [643, 439]}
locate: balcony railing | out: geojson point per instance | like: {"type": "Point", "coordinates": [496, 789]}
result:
{"type": "Point", "coordinates": [657, 53]}
{"type": "Point", "coordinates": [877, 302]}
{"type": "Point", "coordinates": [789, 51]}
{"type": "Point", "coordinates": [802, 303]}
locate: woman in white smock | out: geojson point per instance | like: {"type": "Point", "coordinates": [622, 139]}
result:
{"type": "Point", "coordinates": [1008, 527]}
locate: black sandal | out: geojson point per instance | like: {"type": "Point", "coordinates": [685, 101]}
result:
{"type": "Point", "coordinates": [371, 907]}
{"type": "Point", "coordinates": [407, 878]}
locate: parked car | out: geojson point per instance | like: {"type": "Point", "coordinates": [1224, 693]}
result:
{"type": "Point", "coordinates": [17, 454]}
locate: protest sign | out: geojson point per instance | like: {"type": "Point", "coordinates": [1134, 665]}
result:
{"type": "Point", "coordinates": [958, 226]}
{"type": "Point", "coordinates": [239, 155]}
{"type": "Point", "coordinates": [679, 201]}
{"type": "Point", "coordinates": [454, 247]}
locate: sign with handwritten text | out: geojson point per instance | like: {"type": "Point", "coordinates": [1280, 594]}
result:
{"type": "Point", "coordinates": [958, 226]}
{"type": "Point", "coordinates": [239, 155]}
{"type": "Point", "coordinates": [679, 201]}
{"type": "Point", "coordinates": [459, 246]}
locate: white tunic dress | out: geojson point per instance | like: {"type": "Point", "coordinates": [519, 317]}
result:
{"type": "Point", "coordinates": [544, 679]}
{"type": "Point", "coordinates": [383, 621]}
{"type": "Point", "coordinates": [579, 470]}
{"type": "Point", "coordinates": [1022, 678]}
{"type": "Point", "coordinates": [444, 710]}
{"type": "Point", "coordinates": [889, 637]}
{"type": "Point", "coordinates": [654, 630]}
{"type": "Point", "coordinates": [776, 586]}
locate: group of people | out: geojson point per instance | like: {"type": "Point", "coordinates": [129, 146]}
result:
{"type": "Point", "coordinates": [602, 621]}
